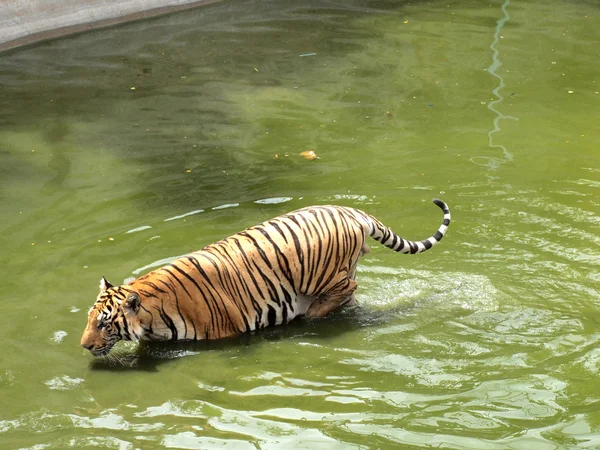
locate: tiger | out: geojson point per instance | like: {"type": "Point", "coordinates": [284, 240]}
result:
{"type": "Point", "coordinates": [298, 264]}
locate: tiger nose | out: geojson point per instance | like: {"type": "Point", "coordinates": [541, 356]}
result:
{"type": "Point", "coordinates": [87, 346]}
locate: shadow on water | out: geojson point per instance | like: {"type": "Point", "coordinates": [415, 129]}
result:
{"type": "Point", "coordinates": [147, 356]}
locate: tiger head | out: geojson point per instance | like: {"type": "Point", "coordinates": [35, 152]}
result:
{"type": "Point", "coordinates": [112, 318]}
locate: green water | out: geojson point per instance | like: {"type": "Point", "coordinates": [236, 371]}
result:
{"type": "Point", "coordinates": [489, 341]}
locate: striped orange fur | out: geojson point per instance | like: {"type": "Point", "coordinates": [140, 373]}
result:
{"type": "Point", "coordinates": [300, 263]}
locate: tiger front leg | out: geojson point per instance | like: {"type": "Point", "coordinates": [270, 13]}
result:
{"type": "Point", "coordinates": [340, 295]}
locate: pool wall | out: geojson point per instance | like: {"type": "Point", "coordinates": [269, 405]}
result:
{"type": "Point", "coordinates": [28, 21]}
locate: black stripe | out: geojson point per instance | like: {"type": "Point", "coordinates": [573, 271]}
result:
{"type": "Point", "coordinates": [307, 249]}
{"type": "Point", "coordinates": [273, 294]}
{"type": "Point", "coordinates": [226, 277]}
{"type": "Point", "coordinates": [258, 248]}
{"type": "Point", "coordinates": [284, 313]}
{"type": "Point", "coordinates": [402, 244]}
{"type": "Point", "coordinates": [318, 252]}
{"type": "Point", "coordinates": [217, 299]}
{"type": "Point", "coordinates": [126, 330]}
{"type": "Point", "coordinates": [154, 286]}
{"type": "Point", "coordinates": [271, 316]}
{"type": "Point", "coordinates": [329, 253]}
{"type": "Point", "coordinates": [309, 254]}
{"type": "Point", "coordinates": [248, 267]}
{"type": "Point", "coordinates": [147, 294]}
{"type": "Point", "coordinates": [196, 264]}
{"type": "Point", "coordinates": [164, 316]}
{"type": "Point", "coordinates": [228, 283]}
{"type": "Point", "coordinates": [299, 253]}
{"type": "Point", "coordinates": [119, 295]}
{"type": "Point", "coordinates": [176, 299]}
{"type": "Point", "coordinates": [168, 322]}
{"type": "Point", "coordinates": [241, 280]}
{"type": "Point", "coordinates": [322, 221]}
{"type": "Point", "coordinates": [395, 241]}
{"type": "Point", "coordinates": [286, 271]}
{"type": "Point", "coordinates": [147, 331]}
{"type": "Point", "coordinates": [279, 230]}
{"type": "Point", "coordinates": [349, 239]}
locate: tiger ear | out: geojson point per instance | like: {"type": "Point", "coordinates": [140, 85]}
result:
{"type": "Point", "coordinates": [132, 304]}
{"type": "Point", "coordinates": [104, 284]}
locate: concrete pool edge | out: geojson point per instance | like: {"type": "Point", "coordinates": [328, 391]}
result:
{"type": "Point", "coordinates": [41, 20]}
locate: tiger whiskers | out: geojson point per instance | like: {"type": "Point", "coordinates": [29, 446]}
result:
{"type": "Point", "coordinates": [119, 358]}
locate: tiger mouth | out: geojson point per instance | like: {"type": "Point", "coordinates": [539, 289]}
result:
{"type": "Point", "coordinates": [100, 353]}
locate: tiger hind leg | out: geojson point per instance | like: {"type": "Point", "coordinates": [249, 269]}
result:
{"type": "Point", "coordinates": [340, 295]}
{"type": "Point", "coordinates": [352, 301]}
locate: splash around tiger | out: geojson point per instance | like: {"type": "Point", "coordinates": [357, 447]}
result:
{"type": "Point", "coordinates": [300, 263]}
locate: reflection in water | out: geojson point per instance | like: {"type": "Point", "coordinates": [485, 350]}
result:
{"type": "Point", "coordinates": [57, 139]}
{"type": "Point", "coordinates": [491, 162]}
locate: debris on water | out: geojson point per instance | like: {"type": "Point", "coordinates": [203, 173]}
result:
{"type": "Point", "coordinates": [307, 54]}
{"type": "Point", "coordinates": [430, 104]}
{"type": "Point", "coordinates": [188, 170]}
{"type": "Point", "coordinates": [570, 92]}
{"type": "Point", "coordinates": [406, 21]}
{"type": "Point", "coordinates": [309, 154]}
{"type": "Point", "coordinates": [132, 88]}
{"type": "Point", "coordinates": [255, 69]}
{"type": "Point", "coordinates": [111, 239]}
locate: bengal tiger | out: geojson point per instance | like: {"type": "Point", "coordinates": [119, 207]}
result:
{"type": "Point", "coordinates": [300, 263]}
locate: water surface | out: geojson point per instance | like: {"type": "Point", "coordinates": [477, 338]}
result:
{"type": "Point", "coordinates": [126, 147]}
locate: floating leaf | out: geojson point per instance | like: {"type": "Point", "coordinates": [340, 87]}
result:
{"type": "Point", "coordinates": [309, 154]}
